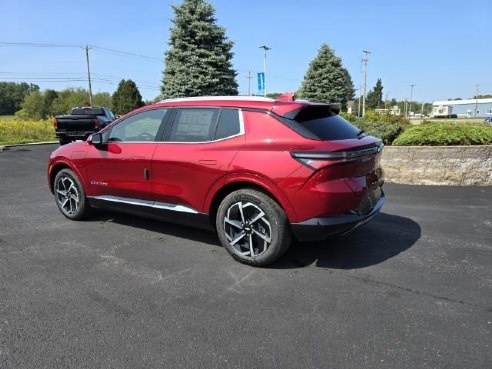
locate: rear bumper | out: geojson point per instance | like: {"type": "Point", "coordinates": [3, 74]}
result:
{"type": "Point", "coordinates": [320, 228]}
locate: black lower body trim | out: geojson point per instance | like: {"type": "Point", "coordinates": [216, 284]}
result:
{"type": "Point", "coordinates": [320, 228]}
{"type": "Point", "coordinates": [149, 209]}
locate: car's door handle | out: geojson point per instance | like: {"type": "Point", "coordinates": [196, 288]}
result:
{"type": "Point", "coordinates": [208, 162]}
{"type": "Point", "coordinates": [146, 173]}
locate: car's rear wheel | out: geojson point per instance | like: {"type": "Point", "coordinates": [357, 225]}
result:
{"type": "Point", "coordinates": [70, 195]}
{"type": "Point", "coordinates": [253, 227]}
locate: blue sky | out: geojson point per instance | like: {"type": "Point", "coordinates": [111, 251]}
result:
{"type": "Point", "coordinates": [442, 47]}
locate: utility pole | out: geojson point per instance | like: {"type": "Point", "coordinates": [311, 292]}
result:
{"type": "Point", "coordinates": [366, 53]}
{"type": "Point", "coordinates": [87, 47]}
{"type": "Point", "coordinates": [410, 103]}
{"type": "Point", "coordinates": [249, 77]}
{"type": "Point", "coordinates": [476, 99]}
{"type": "Point", "coordinates": [265, 49]}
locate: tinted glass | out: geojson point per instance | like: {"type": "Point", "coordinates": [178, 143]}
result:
{"type": "Point", "coordinates": [143, 126]}
{"type": "Point", "coordinates": [325, 124]}
{"type": "Point", "coordinates": [194, 125]}
{"type": "Point", "coordinates": [95, 111]}
{"type": "Point", "coordinates": [228, 124]}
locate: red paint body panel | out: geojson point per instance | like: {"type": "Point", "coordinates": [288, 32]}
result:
{"type": "Point", "coordinates": [118, 170]}
{"type": "Point", "coordinates": [184, 173]}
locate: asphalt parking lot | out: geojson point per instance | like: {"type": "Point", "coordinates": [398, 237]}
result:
{"type": "Point", "coordinates": [412, 289]}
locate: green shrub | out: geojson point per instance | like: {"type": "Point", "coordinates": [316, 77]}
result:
{"type": "Point", "coordinates": [385, 131]}
{"type": "Point", "coordinates": [383, 125]}
{"type": "Point", "coordinates": [347, 116]}
{"type": "Point", "coordinates": [444, 134]}
{"type": "Point", "coordinates": [374, 117]}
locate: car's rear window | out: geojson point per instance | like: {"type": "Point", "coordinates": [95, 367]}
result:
{"type": "Point", "coordinates": [321, 122]}
{"type": "Point", "coordinates": [93, 111]}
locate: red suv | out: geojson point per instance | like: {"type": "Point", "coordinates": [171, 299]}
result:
{"type": "Point", "coordinates": [258, 171]}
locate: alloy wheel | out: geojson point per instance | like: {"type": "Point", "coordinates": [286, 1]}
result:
{"type": "Point", "coordinates": [67, 195]}
{"type": "Point", "coordinates": [247, 229]}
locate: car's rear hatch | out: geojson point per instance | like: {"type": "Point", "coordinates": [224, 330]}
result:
{"type": "Point", "coordinates": [336, 149]}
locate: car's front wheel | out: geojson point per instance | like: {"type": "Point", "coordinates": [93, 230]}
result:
{"type": "Point", "coordinates": [253, 227]}
{"type": "Point", "coordinates": [70, 195]}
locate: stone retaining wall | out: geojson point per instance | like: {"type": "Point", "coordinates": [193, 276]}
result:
{"type": "Point", "coordinates": [438, 165]}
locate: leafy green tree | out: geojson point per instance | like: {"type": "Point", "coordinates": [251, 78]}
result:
{"type": "Point", "coordinates": [326, 79]}
{"type": "Point", "coordinates": [102, 99]}
{"type": "Point", "coordinates": [199, 59]}
{"type": "Point", "coordinates": [126, 97]}
{"type": "Point", "coordinates": [68, 99]}
{"type": "Point", "coordinates": [12, 95]}
{"type": "Point", "coordinates": [374, 98]}
{"type": "Point", "coordinates": [33, 106]}
{"type": "Point", "coordinates": [49, 98]}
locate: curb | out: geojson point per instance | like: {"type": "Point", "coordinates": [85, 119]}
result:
{"type": "Point", "coordinates": [6, 147]}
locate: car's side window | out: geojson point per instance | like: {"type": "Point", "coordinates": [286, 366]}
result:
{"type": "Point", "coordinates": [194, 125]}
{"type": "Point", "coordinates": [142, 126]}
{"type": "Point", "coordinates": [228, 124]}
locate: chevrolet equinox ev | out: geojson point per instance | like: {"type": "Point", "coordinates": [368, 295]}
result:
{"type": "Point", "coordinates": [258, 171]}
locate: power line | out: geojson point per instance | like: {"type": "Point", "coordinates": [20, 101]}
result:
{"type": "Point", "coordinates": [32, 44]}
{"type": "Point", "coordinates": [104, 49]}
{"type": "Point", "coordinates": [126, 53]}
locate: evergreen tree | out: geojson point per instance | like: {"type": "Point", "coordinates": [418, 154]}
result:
{"type": "Point", "coordinates": [374, 98]}
{"type": "Point", "coordinates": [326, 79]}
{"type": "Point", "coordinates": [126, 97]}
{"type": "Point", "coordinates": [199, 58]}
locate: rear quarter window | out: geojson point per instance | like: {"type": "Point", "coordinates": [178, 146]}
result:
{"type": "Point", "coordinates": [228, 124]}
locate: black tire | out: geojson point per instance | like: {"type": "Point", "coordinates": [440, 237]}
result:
{"type": "Point", "coordinates": [253, 227]}
{"type": "Point", "coordinates": [70, 196]}
{"type": "Point", "coordinates": [64, 140]}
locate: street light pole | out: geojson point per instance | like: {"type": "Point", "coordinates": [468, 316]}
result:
{"type": "Point", "coordinates": [365, 81]}
{"type": "Point", "coordinates": [265, 49]}
{"type": "Point", "coordinates": [410, 103]}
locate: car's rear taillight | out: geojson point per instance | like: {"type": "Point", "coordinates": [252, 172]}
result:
{"type": "Point", "coordinates": [55, 123]}
{"type": "Point", "coordinates": [317, 160]}
{"type": "Point", "coordinates": [320, 159]}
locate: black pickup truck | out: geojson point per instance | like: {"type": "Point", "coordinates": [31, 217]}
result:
{"type": "Point", "coordinates": [81, 123]}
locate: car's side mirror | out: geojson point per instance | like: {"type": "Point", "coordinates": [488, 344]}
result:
{"type": "Point", "coordinates": [96, 139]}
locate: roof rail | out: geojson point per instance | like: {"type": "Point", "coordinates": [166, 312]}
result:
{"type": "Point", "coordinates": [213, 98]}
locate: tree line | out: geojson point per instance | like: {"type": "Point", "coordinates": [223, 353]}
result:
{"type": "Point", "coordinates": [27, 101]}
